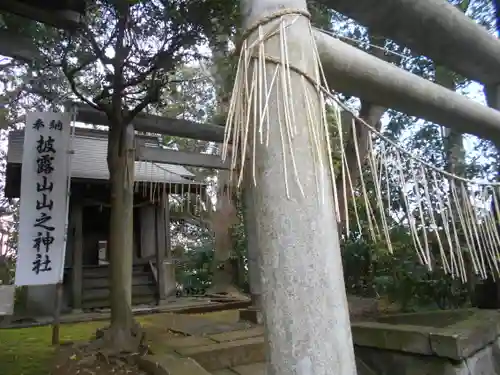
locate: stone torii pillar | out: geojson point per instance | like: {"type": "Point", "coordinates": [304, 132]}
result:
{"type": "Point", "coordinates": [304, 299]}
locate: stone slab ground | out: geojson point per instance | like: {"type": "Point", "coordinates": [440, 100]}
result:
{"type": "Point", "coordinates": [464, 343]}
{"type": "Point", "coordinates": [207, 347]}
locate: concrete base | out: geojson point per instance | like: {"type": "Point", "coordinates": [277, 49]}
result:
{"type": "Point", "coordinates": [40, 300]}
{"type": "Point", "coordinates": [170, 281]}
{"type": "Point", "coordinates": [252, 314]}
{"type": "Point", "coordinates": [7, 297]}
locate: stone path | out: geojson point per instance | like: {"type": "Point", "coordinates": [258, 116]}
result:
{"type": "Point", "coordinates": [215, 348]}
{"type": "Point", "coordinates": [199, 326]}
{"type": "Point", "coordinates": [190, 305]}
{"type": "Point", "coordinates": [209, 348]}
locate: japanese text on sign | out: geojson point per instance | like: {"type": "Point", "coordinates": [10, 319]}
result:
{"type": "Point", "coordinates": [43, 199]}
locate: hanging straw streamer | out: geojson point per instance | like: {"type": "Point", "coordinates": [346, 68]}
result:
{"type": "Point", "coordinates": [164, 194]}
{"type": "Point", "coordinates": [150, 165]}
{"type": "Point", "coordinates": [188, 200]}
{"type": "Point", "coordinates": [443, 213]}
{"type": "Point", "coordinates": [198, 199]}
{"type": "Point", "coordinates": [257, 83]}
{"type": "Point", "coordinates": [183, 206]}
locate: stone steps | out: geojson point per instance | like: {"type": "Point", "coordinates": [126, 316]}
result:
{"type": "Point", "coordinates": [169, 364]}
{"type": "Point", "coordinates": [218, 356]}
{"type": "Point", "coordinates": [252, 369]}
{"type": "Point", "coordinates": [236, 352]}
{"type": "Point", "coordinates": [233, 352]}
{"type": "Point", "coordinates": [239, 352]}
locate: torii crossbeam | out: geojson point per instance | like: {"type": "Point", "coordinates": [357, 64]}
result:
{"type": "Point", "coordinates": [434, 28]}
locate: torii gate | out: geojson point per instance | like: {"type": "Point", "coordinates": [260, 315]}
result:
{"type": "Point", "coordinates": [304, 301]}
{"type": "Point", "coordinates": [304, 304]}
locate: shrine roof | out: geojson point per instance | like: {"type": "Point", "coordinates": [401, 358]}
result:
{"type": "Point", "coordinates": [89, 159]}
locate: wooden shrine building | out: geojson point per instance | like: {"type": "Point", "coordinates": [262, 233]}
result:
{"type": "Point", "coordinates": [85, 282]}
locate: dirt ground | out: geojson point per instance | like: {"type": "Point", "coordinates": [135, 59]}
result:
{"type": "Point", "coordinates": [74, 360]}
{"type": "Point", "coordinates": [80, 359]}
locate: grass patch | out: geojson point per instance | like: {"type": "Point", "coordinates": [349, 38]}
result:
{"type": "Point", "coordinates": [28, 351]}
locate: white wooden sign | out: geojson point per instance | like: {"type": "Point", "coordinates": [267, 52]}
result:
{"type": "Point", "coordinates": [43, 210]}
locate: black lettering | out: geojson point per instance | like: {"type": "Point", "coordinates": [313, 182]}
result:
{"type": "Point", "coordinates": [42, 222]}
{"type": "Point", "coordinates": [38, 124]}
{"type": "Point", "coordinates": [44, 203]}
{"type": "Point", "coordinates": [45, 240]}
{"type": "Point", "coordinates": [55, 125]}
{"type": "Point", "coordinates": [45, 185]}
{"type": "Point", "coordinates": [44, 164]}
{"type": "Point", "coordinates": [41, 264]}
{"type": "Point", "coordinates": [45, 145]}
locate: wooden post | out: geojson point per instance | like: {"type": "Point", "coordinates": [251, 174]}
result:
{"type": "Point", "coordinates": [168, 234]}
{"type": "Point", "coordinates": [77, 274]}
{"type": "Point", "coordinates": [170, 280]}
{"type": "Point", "coordinates": [57, 314]}
{"type": "Point", "coordinates": [160, 252]}
{"type": "Point", "coordinates": [148, 237]}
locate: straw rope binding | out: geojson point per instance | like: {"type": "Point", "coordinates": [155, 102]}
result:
{"type": "Point", "coordinates": [446, 215]}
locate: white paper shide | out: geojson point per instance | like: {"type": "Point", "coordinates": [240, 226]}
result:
{"type": "Point", "coordinates": [43, 210]}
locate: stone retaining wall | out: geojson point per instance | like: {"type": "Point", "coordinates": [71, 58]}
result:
{"type": "Point", "coordinates": [465, 342]}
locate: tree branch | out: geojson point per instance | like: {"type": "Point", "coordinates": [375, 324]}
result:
{"type": "Point", "coordinates": [70, 76]}
{"type": "Point", "coordinates": [121, 52]}
{"type": "Point", "coordinates": [152, 96]}
{"type": "Point", "coordinates": [86, 33]}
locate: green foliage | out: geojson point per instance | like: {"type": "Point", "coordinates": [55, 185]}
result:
{"type": "Point", "coordinates": [195, 273]}
{"type": "Point", "coordinates": [371, 271]}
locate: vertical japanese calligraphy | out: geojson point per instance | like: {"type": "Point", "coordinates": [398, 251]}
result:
{"type": "Point", "coordinates": [42, 228]}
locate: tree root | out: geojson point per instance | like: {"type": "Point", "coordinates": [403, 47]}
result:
{"type": "Point", "coordinates": [85, 357]}
{"type": "Point", "coordinates": [117, 343]}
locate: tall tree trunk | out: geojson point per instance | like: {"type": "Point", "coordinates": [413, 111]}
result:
{"type": "Point", "coordinates": [455, 159]}
{"type": "Point", "coordinates": [222, 221]}
{"type": "Point", "coordinates": [122, 334]}
{"type": "Point", "coordinates": [304, 300]}
{"type": "Point", "coordinates": [372, 115]}
{"type": "Point", "coordinates": [223, 268]}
